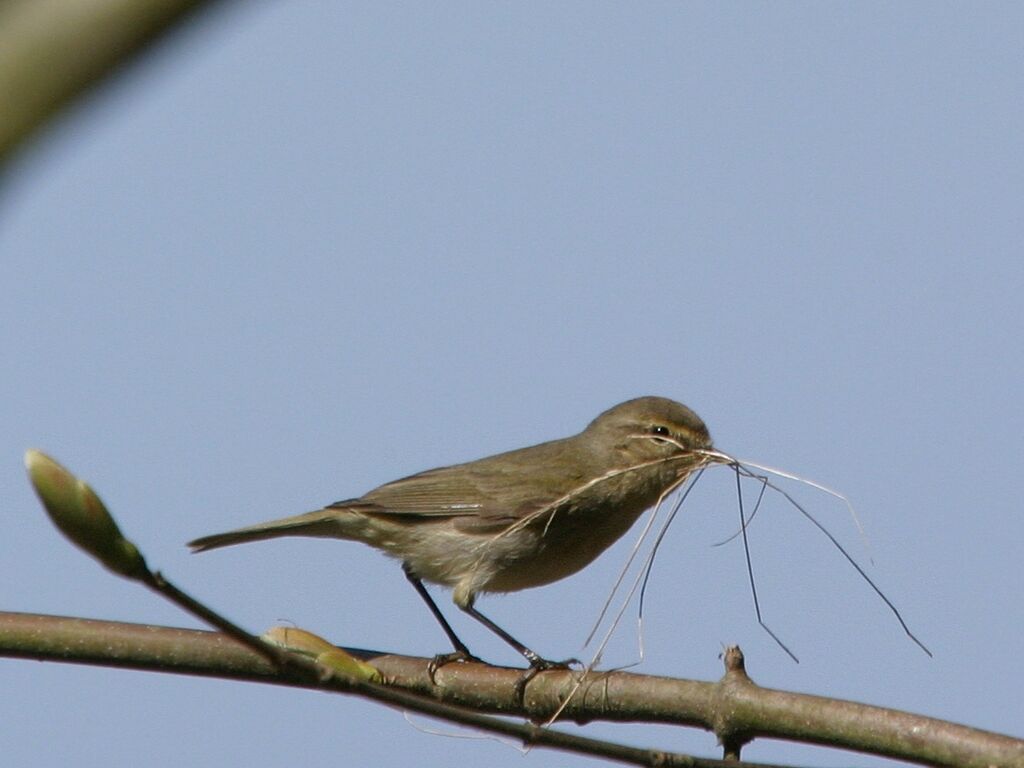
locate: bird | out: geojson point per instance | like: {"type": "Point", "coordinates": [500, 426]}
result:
{"type": "Point", "coordinates": [514, 520]}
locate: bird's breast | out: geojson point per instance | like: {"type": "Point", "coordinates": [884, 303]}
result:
{"type": "Point", "coordinates": [561, 541]}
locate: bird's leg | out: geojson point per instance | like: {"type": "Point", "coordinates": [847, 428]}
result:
{"type": "Point", "coordinates": [537, 662]}
{"type": "Point", "coordinates": [461, 652]}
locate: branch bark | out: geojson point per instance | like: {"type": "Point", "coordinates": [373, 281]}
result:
{"type": "Point", "coordinates": [51, 51]}
{"type": "Point", "coordinates": [734, 708]}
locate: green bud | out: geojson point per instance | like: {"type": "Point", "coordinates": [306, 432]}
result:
{"type": "Point", "coordinates": [80, 515]}
{"type": "Point", "coordinates": [315, 647]}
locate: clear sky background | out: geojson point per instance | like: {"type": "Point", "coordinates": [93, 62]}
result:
{"type": "Point", "coordinates": [310, 247]}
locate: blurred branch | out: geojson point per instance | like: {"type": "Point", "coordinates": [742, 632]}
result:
{"type": "Point", "coordinates": [52, 51]}
{"type": "Point", "coordinates": [735, 708]}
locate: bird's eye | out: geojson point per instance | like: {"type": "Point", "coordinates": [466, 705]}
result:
{"type": "Point", "coordinates": [660, 429]}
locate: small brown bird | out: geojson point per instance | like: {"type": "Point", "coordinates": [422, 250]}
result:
{"type": "Point", "coordinates": [518, 519]}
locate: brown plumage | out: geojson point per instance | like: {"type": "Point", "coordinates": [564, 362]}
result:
{"type": "Point", "coordinates": [518, 519]}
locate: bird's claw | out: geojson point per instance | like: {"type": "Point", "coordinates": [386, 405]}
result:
{"type": "Point", "coordinates": [442, 659]}
{"type": "Point", "coordinates": [539, 664]}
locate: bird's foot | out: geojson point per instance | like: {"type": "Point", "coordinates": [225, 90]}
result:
{"type": "Point", "coordinates": [461, 655]}
{"type": "Point", "coordinates": [539, 664]}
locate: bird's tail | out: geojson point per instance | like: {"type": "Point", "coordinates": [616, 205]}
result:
{"type": "Point", "coordinates": [323, 523]}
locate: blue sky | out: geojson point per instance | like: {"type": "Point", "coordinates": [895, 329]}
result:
{"type": "Point", "coordinates": [306, 248]}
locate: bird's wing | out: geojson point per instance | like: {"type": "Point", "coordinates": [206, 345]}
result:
{"type": "Point", "coordinates": [479, 498]}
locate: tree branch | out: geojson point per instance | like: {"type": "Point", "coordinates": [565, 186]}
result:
{"type": "Point", "coordinates": [734, 708]}
{"type": "Point", "coordinates": [166, 649]}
